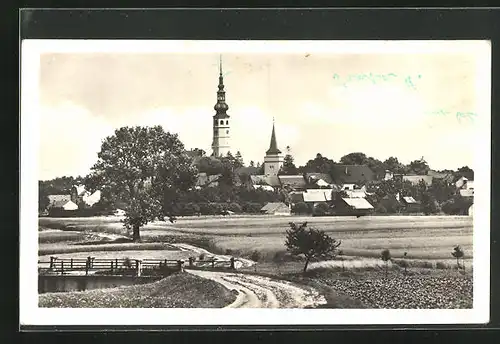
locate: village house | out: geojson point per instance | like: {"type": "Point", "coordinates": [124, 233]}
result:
{"type": "Point", "coordinates": [203, 180]}
{"type": "Point", "coordinates": [409, 204]}
{"type": "Point", "coordinates": [64, 205]}
{"type": "Point", "coordinates": [59, 199]}
{"type": "Point", "coordinates": [351, 206]}
{"type": "Point", "coordinates": [416, 179]}
{"type": "Point", "coordinates": [446, 177]}
{"type": "Point", "coordinates": [295, 182]}
{"type": "Point", "coordinates": [351, 175]}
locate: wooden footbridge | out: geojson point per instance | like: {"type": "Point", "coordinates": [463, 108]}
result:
{"type": "Point", "coordinates": [135, 267]}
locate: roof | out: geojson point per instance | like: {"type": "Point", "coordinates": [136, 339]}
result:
{"type": "Point", "coordinates": [58, 198]}
{"type": "Point", "coordinates": [415, 179]}
{"type": "Point", "coordinates": [80, 190]}
{"type": "Point", "coordinates": [204, 180]}
{"type": "Point", "coordinates": [466, 192]}
{"type": "Point", "coordinates": [264, 187]}
{"type": "Point", "coordinates": [296, 181]}
{"type": "Point", "coordinates": [247, 170]}
{"type": "Point", "coordinates": [271, 180]}
{"type": "Point", "coordinates": [358, 203]}
{"type": "Point", "coordinates": [273, 207]}
{"type": "Point", "coordinates": [445, 176]}
{"type": "Point", "coordinates": [93, 198]}
{"type": "Point", "coordinates": [273, 146]}
{"type": "Point", "coordinates": [352, 173]}
{"type": "Point", "coordinates": [61, 204]}
{"type": "Point", "coordinates": [325, 176]}
{"type": "Point", "coordinates": [317, 195]}
{"type": "Point", "coordinates": [355, 193]}
{"type": "Point", "coordinates": [409, 200]}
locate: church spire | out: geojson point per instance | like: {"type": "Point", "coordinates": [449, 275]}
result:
{"type": "Point", "coordinates": [221, 107]}
{"type": "Point", "coordinates": [273, 147]}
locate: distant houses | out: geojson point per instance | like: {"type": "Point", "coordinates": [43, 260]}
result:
{"type": "Point", "coordinates": [76, 199]}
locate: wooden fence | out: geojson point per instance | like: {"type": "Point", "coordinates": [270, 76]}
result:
{"type": "Point", "coordinates": [125, 266]}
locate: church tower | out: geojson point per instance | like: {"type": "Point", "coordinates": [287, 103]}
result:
{"type": "Point", "coordinates": [273, 161]}
{"type": "Point", "coordinates": [220, 143]}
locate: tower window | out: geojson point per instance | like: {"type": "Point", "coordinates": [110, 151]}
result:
{"type": "Point", "coordinates": [227, 132]}
{"type": "Point", "coordinates": [221, 122]}
{"type": "Point", "coordinates": [227, 122]}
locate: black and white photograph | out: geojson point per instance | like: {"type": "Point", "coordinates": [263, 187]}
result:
{"type": "Point", "coordinates": [208, 182]}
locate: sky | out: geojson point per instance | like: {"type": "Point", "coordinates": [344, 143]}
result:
{"type": "Point", "coordinates": [334, 103]}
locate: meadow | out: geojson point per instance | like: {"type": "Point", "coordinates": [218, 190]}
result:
{"type": "Point", "coordinates": [357, 279]}
{"type": "Point", "coordinates": [421, 237]}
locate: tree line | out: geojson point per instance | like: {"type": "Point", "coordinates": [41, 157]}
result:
{"type": "Point", "coordinates": [149, 174]}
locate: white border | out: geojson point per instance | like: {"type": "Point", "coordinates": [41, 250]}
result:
{"type": "Point", "coordinates": [30, 314]}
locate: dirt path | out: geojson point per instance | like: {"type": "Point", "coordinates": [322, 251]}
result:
{"type": "Point", "coordinates": [263, 292]}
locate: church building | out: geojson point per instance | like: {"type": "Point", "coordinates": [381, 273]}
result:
{"type": "Point", "coordinates": [273, 161]}
{"type": "Point", "coordinates": [221, 131]}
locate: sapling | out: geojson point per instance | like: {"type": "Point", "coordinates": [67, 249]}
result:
{"type": "Point", "coordinates": [386, 256]}
{"type": "Point", "coordinates": [458, 253]}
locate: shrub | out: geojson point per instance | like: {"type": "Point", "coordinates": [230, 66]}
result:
{"type": "Point", "coordinates": [321, 209]}
{"type": "Point", "coordinates": [255, 256]}
{"type": "Point", "coordinates": [441, 265]}
{"type": "Point", "coordinates": [386, 256]}
{"type": "Point", "coordinates": [310, 243]}
{"type": "Point", "coordinates": [234, 207]}
{"type": "Point", "coordinates": [300, 208]}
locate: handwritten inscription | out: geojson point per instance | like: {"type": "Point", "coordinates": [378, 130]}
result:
{"type": "Point", "coordinates": [408, 80]}
{"type": "Point", "coordinates": [461, 117]}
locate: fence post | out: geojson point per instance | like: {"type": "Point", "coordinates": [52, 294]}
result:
{"type": "Point", "coordinates": [87, 266]}
{"type": "Point", "coordinates": [232, 263]}
{"type": "Point", "coordinates": [213, 263]}
{"type": "Point", "coordinates": [62, 268]}
{"type": "Point", "coordinates": [138, 267]}
{"type": "Point", "coordinates": [191, 262]}
{"type": "Point", "coordinates": [71, 266]}
{"type": "Point", "coordinates": [52, 261]}
{"type": "Point", "coordinates": [111, 266]}
{"type": "Point", "coordinates": [179, 265]}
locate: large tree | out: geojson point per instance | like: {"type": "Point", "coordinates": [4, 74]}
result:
{"type": "Point", "coordinates": [392, 164]}
{"type": "Point", "coordinates": [288, 167]}
{"type": "Point", "coordinates": [139, 166]}
{"type": "Point", "coordinates": [356, 158]}
{"type": "Point", "coordinates": [419, 167]}
{"type": "Point", "coordinates": [319, 164]}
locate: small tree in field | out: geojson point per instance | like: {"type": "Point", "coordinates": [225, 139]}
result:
{"type": "Point", "coordinates": [310, 242]}
{"type": "Point", "coordinates": [458, 253]}
{"type": "Point", "coordinates": [386, 256]}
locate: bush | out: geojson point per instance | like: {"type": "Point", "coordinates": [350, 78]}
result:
{"type": "Point", "coordinates": [234, 207]}
{"type": "Point", "coordinates": [380, 209]}
{"type": "Point", "coordinates": [251, 207]}
{"type": "Point", "coordinates": [300, 208]}
{"type": "Point", "coordinates": [255, 256]}
{"type": "Point", "coordinates": [441, 265]}
{"type": "Point", "coordinates": [321, 209]}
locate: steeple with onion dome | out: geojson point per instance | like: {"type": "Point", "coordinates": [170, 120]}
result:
{"type": "Point", "coordinates": [220, 143]}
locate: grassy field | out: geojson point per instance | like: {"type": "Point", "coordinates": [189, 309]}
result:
{"type": "Point", "coordinates": [356, 281]}
{"type": "Point", "coordinates": [168, 293]}
{"type": "Point", "coordinates": [422, 237]}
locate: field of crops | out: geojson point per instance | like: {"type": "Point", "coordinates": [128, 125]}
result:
{"type": "Point", "coordinates": [443, 289]}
